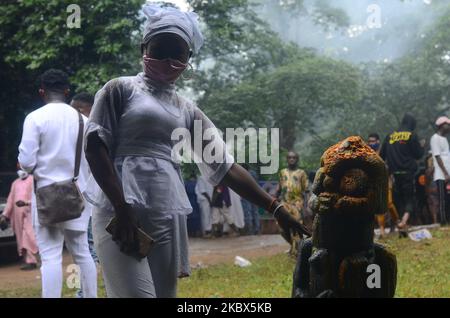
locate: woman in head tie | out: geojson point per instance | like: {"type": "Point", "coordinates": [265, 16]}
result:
{"type": "Point", "coordinates": [129, 149]}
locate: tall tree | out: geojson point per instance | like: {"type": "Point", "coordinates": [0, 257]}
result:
{"type": "Point", "coordinates": [34, 36]}
{"type": "Point", "coordinates": [292, 97]}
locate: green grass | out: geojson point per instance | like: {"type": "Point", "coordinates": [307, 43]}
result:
{"type": "Point", "coordinates": [423, 267]}
{"type": "Point", "coordinates": [266, 277]}
{"type": "Point", "coordinates": [423, 271]}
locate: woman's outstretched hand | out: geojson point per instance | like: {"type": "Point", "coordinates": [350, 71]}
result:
{"type": "Point", "coordinates": [287, 222]}
{"type": "Point", "coordinates": [238, 179]}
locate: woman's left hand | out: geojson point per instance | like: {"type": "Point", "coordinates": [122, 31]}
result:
{"type": "Point", "coordinates": [239, 180]}
{"type": "Point", "coordinates": [125, 233]}
{"type": "Point", "coordinates": [3, 222]}
{"type": "Point", "coordinates": [21, 203]}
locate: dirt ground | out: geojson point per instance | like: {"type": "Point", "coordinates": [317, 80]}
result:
{"type": "Point", "coordinates": [203, 252]}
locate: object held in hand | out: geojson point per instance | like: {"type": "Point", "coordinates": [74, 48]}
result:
{"type": "Point", "coordinates": [3, 223]}
{"type": "Point", "coordinates": [145, 242]}
{"type": "Point", "coordinates": [287, 221]}
{"type": "Point", "coordinates": [21, 204]}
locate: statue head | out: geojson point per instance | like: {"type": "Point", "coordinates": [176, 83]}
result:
{"type": "Point", "coordinates": [350, 187]}
{"type": "Point", "coordinates": [352, 179]}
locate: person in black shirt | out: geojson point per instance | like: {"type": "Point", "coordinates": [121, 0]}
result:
{"type": "Point", "coordinates": [400, 150]}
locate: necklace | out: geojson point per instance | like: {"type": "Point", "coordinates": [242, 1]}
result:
{"type": "Point", "coordinates": [155, 93]}
{"type": "Point", "coordinates": [162, 104]}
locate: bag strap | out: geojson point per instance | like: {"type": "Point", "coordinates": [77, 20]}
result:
{"type": "Point", "coordinates": [79, 145]}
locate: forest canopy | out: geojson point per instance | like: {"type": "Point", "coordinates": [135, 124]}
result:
{"type": "Point", "coordinates": [246, 75]}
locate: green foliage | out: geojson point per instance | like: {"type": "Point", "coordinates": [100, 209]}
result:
{"type": "Point", "coordinates": [34, 37]}
{"type": "Point", "coordinates": [46, 40]}
{"type": "Point", "coordinates": [239, 45]}
{"type": "Point", "coordinates": [326, 15]}
{"type": "Point", "coordinates": [417, 83]}
{"type": "Point", "coordinates": [290, 98]}
{"type": "Point", "coordinates": [323, 13]}
{"type": "Point", "coordinates": [246, 75]}
{"type": "Point", "coordinates": [250, 78]}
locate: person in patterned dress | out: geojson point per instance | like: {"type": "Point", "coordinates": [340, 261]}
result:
{"type": "Point", "coordinates": [293, 183]}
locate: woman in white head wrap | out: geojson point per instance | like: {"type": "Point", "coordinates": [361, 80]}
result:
{"type": "Point", "coordinates": [129, 148]}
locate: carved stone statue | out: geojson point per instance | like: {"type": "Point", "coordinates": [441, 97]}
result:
{"type": "Point", "coordinates": [350, 188]}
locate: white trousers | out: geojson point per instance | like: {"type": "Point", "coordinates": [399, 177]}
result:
{"type": "Point", "coordinates": [222, 215]}
{"type": "Point", "coordinates": [50, 241]}
{"type": "Point", "coordinates": [206, 217]}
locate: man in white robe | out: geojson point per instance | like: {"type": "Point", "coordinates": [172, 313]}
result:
{"type": "Point", "coordinates": [204, 191]}
{"type": "Point", "coordinates": [47, 149]}
{"type": "Point", "coordinates": [236, 211]}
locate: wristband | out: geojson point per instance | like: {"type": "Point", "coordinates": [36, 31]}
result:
{"type": "Point", "coordinates": [271, 205]}
{"type": "Point", "coordinates": [279, 206]}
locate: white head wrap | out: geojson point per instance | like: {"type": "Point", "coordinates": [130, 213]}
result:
{"type": "Point", "coordinates": [171, 20]}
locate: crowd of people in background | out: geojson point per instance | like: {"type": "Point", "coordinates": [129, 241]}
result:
{"type": "Point", "coordinates": [418, 181]}
{"type": "Point", "coordinates": [218, 211]}
{"type": "Point", "coordinates": [415, 188]}
{"type": "Point", "coordinates": [418, 192]}
{"type": "Point", "coordinates": [18, 210]}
